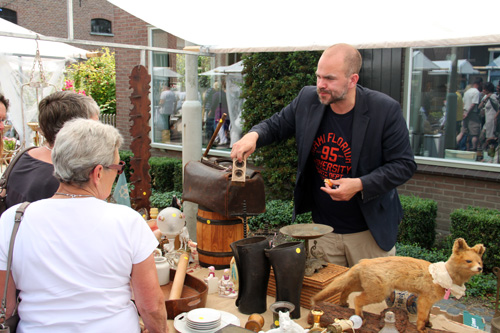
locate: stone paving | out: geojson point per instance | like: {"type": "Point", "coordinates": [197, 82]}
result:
{"type": "Point", "coordinates": [455, 308]}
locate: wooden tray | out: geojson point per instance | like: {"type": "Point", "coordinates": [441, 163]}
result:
{"type": "Point", "coordinates": [194, 295]}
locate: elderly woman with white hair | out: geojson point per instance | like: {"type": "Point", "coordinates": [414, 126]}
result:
{"type": "Point", "coordinates": [77, 258]}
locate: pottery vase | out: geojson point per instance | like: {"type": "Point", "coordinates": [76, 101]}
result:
{"type": "Point", "coordinates": [163, 270]}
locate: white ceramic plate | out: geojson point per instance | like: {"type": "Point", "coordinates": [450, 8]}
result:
{"type": "Point", "coordinates": [180, 323]}
{"type": "Point", "coordinates": [203, 326]}
{"type": "Point", "coordinates": [203, 316]}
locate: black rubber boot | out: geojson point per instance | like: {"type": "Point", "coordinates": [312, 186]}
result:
{"type": "Point", "coordinates": [289, 264]}
{"type": "Point", "coordinates": [253, 273]}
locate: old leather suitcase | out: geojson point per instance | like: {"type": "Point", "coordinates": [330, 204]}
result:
{"type": "Point", "coordinates": [208, 183]}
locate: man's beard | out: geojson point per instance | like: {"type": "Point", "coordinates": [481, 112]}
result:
{"type": "Point", "coordinates": [331, 98]}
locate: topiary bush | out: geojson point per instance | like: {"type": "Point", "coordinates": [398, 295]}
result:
{"type": "Point", "coordinates": [273, 80]}
{"type": "Point", "coordinates": [419, 221]}
{"type": "Point", "coordinates": [479, 225]}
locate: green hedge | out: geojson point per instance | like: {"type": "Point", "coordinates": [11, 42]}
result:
{"type": "Point", "coordinates": [163, 200]}
{"type": "Point", "coordinates": [481, 285]}
{"type": "Point", "coordinates": [126, 155]}
{"type": "Point", "coordinates": [166, 172]}
{"type": "Point", "coordinates": [419, 221]}
{"type": "Point", "coordinates": [417, 227]}
{"type": "Point", "coordinates": [278, 214]}
{"type": "Point", "coordinates": [479, 225]}
{"type": "Point", "coordinates": [273, 80]}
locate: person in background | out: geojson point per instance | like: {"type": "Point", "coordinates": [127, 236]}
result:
{"type": "Point", "coordinates": [472, 121]}
{"type": "Point", "coordinates": [4, 106]}
{"type": "Point", "coordinates": [31, 178]}
{"type": "Point", "coordinates": [491, 111]}
{"type": "Point", "coordinates": [210, 114]}
{"type": "Point", "coordinates": [168, 102]}
{"type": "Point", "coordinates": [353, 137]}
{"type": "Point", "coordinates": [77, 258]}
{"type": "Point", "coordinates": [219, 107]}
{"type": "Point", "coordinates": [460, 112]}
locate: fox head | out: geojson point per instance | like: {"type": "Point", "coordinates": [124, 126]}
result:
{"type": "Point", "coordinates": [465, 261]}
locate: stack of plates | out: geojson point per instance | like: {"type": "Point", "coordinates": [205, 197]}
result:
{"type": "Point", "coordinates": [203, 319]}
{"type": "Point", "coordinates": [199, 321]}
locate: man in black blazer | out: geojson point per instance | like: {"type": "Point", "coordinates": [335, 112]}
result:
{"type": "Point", "coordinates": [353, 136]}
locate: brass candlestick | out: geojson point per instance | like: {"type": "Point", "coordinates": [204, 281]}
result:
{"type": "Point", "coordinates": [35, 127]}
{"type": "Point", "coordinates": [316, 317]}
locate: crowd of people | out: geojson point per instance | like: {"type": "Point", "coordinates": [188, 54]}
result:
{"type": "Point", "coordinates": [479, 128]}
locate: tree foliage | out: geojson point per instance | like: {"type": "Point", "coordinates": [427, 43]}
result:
{"type": "Point", "coordinates": [95, 77]}
{"type": "Point", "coordinates": [273, 80]}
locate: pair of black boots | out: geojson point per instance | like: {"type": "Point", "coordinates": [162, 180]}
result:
{"type": "Point", "coordinates": [253, 257]}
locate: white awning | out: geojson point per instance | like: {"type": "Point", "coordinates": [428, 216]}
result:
{"type": "Point", "coordinates": [464, 67]}
{"type": "Point", "coordinates": [27, 47]}
{"type": "Point", "coordinates": [226, 26]}
{"type": "Point", "coordinates": [165, 72]}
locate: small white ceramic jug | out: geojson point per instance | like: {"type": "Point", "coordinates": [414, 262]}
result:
{"type": "Point", "coordinates": [163, 270]}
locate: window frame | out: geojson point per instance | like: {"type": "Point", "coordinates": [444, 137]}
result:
{"type": "Point", "coordinates": [100, 19]}
{"type": "Point", "coordinates": [434, 161]}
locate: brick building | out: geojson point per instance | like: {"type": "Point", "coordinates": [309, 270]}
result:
{"type": "Point", "coordinates": [49, 17]}
{"type": "Point", "coordinates": [455, 186]}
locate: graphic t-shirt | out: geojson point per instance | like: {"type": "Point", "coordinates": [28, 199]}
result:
{"type": "Point", "coordinates": [331, 156]}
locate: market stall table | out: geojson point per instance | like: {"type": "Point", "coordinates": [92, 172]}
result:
{"type": "Point", "coordinates": [215, 301]}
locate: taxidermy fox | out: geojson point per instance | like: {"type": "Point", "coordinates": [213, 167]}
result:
{"type": "Point", "coordinates": [377, 278]}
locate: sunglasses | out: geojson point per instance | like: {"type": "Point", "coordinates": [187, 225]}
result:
{"type": "Point", "coordinates": [119, 167]}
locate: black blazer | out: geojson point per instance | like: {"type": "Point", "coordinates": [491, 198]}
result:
{"type": "Point", "coordinates": [381, 154]}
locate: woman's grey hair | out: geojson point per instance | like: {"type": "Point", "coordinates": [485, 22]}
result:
{"type": "Point", "coordinates": [80, 146]}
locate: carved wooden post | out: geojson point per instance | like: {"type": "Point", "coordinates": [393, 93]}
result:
{"type": "Point", "coordinates": [139, 163]}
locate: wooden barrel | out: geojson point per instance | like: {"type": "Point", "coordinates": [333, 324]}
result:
{"type": "Point", "coordinates": [214, 234]}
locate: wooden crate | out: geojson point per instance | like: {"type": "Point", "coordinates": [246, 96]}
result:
{"type": "Point", "coordinates": [313, 284]}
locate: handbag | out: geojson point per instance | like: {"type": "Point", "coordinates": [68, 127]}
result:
{"type": "Point", "coordinates": [5, 178]}
{"type": "Point", "coordinates": [209, 184]}
{"type": "Point", "coordinates": [10, 325]}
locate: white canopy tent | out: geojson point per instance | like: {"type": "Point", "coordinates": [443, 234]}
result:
{"type": "Point", "coordinates": [227, 26]}
{"type": "Point", "coordinates": [421, 62]}
{"type": "Point", "coordinates": [463, 67]}
{"type": "Point", "coordinates": [165, 72]}
{"type": "Point", "coordinates": [27, 47]}
{"type": "Point", "coordinates": [495, 64]}
{"type": "Point", "coordinates": [17, 67]}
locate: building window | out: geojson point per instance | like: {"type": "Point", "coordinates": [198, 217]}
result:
{"type": "Point", "coordinates": [100, 26]}
{"type": "Point", "coordinates": [168, 93]}
{"type": "Point", "coordinates": [8, 15]}
{"type": "Point", "coordinates": [441, 79]}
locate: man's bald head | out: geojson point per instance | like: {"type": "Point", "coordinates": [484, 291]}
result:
{"type": "Point", "coordinates": [351, 56]}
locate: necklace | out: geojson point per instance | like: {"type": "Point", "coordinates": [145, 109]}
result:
{"type": "Point", "coordinates": [48, 148]}
{"type": "Point", "coordinates": [74, 195]}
